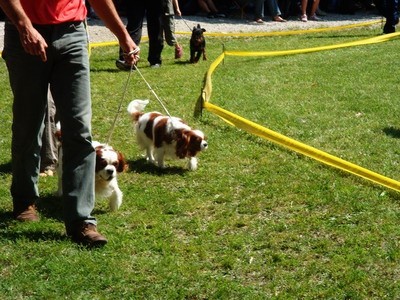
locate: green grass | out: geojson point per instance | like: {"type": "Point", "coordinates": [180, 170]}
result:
{"type": "Point", "coordinates": [255, 221]}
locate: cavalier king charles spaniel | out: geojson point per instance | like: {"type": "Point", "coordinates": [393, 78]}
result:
{"type": "Point", "coordinates": [163, 136]}
{"type": "Point", "coordinates": [109, 163]}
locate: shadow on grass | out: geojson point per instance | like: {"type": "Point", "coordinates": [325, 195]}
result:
{"type": "Point", "coordinates": [143, 166]}
{"type": "Point", "coordinates": [50, 207]}
{"type": "Point", "coordinates": [5, 168]}
{"type": "Point", "coordinates": [107, 70]}
{"type": "Point", "coordinates": [392, 132]}
{"type": "Point", "coordinates": [13, 230]}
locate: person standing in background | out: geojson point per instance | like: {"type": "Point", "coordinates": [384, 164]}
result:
{"type": "Point", "coordinates": [272, 7]}
{"type": "Point", "coordinates": [209, 7]}
{"type": "Point", "coordinates": [390, 10]}
{"type": "Point", "coordinates": [313, 11]}
{"type": "Point", "coordinates": [136, 11]}
{"type": "Point", "coordinates": [168, 25]}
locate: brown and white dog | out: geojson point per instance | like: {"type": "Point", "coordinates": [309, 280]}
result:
{"type": "Point", "coordinates": [109, 163]}
{"type": "Point", "coordinates": [163, 136]}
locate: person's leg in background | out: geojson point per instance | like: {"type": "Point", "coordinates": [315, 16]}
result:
{"type": "Point", "coordinates": [135, 12]}
{"type": "Point", "coordinates": [391, 13]}
{"type": "Point", "coordinates": [155, 33]}
{"type": "Point", "coordinates": [49, 151]}
{"type": "Point", "coordinates": [168, 25]}
{"type": "Point", "coordinates": [259, 11]}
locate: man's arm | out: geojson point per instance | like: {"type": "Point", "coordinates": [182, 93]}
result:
{"type": "Point", "coordinates": [31, 39]}
{"type": "Point", "coordinates": [175, 3]}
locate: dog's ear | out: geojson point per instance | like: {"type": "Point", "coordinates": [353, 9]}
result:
{"type": "Point", "coordinates": [182, 143]}
{"type": "Point", "coordinates": [198, 26]}
{"type": "Point", "coordinates": [203, 30]}
{"type": "Point", "coordinates": [122, 165]}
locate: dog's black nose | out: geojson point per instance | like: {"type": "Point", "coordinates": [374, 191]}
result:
{"type": "Point", "coordinates": [110, 172]}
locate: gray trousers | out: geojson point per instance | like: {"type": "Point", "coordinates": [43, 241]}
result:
{"type": "Point", "coordinates": [68, 75]}
{"type": "Point", "coordinates": [168, 25]}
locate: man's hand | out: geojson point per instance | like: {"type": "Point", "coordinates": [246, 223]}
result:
{"type": "Point", "coordinates": [132, 57]}
{"type": "Point", "coordinates": [33, 42]}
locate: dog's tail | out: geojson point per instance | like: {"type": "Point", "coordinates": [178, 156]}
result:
{"type": "Point", "coordinates": [136, 108]}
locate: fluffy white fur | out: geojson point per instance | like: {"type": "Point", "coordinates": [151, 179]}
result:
{"type": "Point", "coordinates": [164, 136]}
{"type": "Point", "coordinates": [109, 163]}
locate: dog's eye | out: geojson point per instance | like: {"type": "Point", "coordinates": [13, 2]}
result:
{"type": "Point", "coordinates": [115, 164]}
{"type": "Point", "coordinates": [103, 163]}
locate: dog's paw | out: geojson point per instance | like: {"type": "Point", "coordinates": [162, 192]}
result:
{"type": "Point", "coordinates": [192, 164]}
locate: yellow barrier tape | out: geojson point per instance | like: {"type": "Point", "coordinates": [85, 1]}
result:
{"type": "Point", "coordinates": [288, 32]}
{"type": "Point", "coordinates": [207, 87]}
{"type": "Point", "coordinates": [252, 34]}
{"type": "Point", "coordinates": [282, 140]}
{"type": "Point", "coordinates": [301, 148]}
{"type": "Point", "coordinates": [374, 40]}
{"type": "Point", "coordinates": [103, 44]}
{"type": "Point", "coordinates": [110, 43]}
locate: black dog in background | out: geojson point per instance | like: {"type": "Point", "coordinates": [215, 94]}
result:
{"type": "Point", "coordinates": [197, 44]}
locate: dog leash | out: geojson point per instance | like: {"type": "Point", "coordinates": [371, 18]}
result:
{"type": "Point", "coordinates": [123, 97]}
{"type": "Point", "coordinates": [134, 67]}
{"type": "Point", "coordinates": [190, 29]}
{"type": "Point", "coordinates": [152, 90]}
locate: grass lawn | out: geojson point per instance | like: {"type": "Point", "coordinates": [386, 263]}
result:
{"type": "Point", "coordinates": [255, 221]}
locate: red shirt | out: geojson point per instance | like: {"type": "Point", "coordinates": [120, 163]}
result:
{"type": "Point", "coordinates": [54, 11]}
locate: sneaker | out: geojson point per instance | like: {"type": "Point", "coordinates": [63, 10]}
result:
{"type": "Point", "coordinates": [86, 234]}
{"type": "Point", "coordinates": [123, 66]}
{"type": "Point", "coordinates": [155, 66]}
{"type": "Point", "coordinates": [303, 18]}
{"type": "Point", "coordinates": [178, 51]}
{"type": "Point", "coordinates": [29, 214]}
{"type": "Point", "coordinates": [314, 18]}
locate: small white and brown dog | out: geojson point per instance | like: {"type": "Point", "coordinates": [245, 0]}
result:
{"type": "Point", "coordinates": [164, 136]}
{"type": "Point", "coordinates": [109, 163]}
